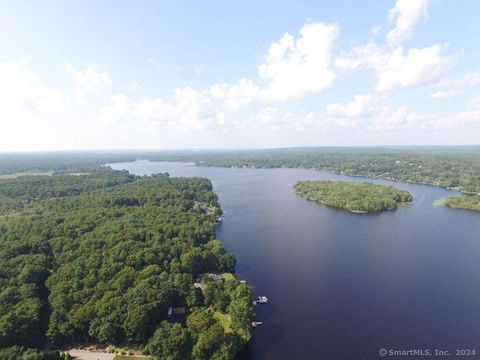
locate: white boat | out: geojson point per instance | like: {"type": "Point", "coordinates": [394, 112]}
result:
{"type": "Point", "coordinates": [262, 300]}
{"type": "Point", "coordinates": [256, 323]}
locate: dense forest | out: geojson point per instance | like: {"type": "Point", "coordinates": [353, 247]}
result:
{"type": "Point", "coordinates": [357, 197]}
{"type": "Point", "coordinates": [102, 257]}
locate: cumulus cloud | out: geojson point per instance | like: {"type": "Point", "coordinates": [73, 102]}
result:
{"type": "Point", "coordinates": [359, 106]}
{"type": "Point", "coordinates": [412, 67]}
{"type": "Point", "coordinates": [461, 120]}
{"type": "Point", "coordinates": [370, 112]}
{"type": "Point", "coordinates": [405, 15]}
{"type": "Point", "coordinates": [24, 95]}
{"type": "Point", "coordinates": [29, 106]}
{"type": "Point", "coordinates": [398, 68]}
{"type": "Point", "coordinates": [292, 68]}
{"type": "Point", "coordinates": [237, 95]}
{"type": "Point", "coordinates": [268, 116]}
{"type": "Point", "coordinates": [394, 65]}
{"type": "Point", "coordinates": [389, 118]}
{"type": "Point", "coordinates": [87, 81]}
{"type": "Point", "coordinates": [382, 117]}
{"type": "Point", "coordinates": [189, 110]}
{"type": "Point", "coordinates": [465, 119]}
{"type": "Point", "coordinates": [295, 68]}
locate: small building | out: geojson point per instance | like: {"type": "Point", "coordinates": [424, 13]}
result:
{"type": "Point", "coordinates": [176, 311]}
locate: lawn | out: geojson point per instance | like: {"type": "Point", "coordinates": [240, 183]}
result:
{"type": "Point", "coordinates": [224, 319]}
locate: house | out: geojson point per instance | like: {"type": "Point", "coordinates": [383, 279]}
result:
{"type": "Point", "coordinates": [176, 311]}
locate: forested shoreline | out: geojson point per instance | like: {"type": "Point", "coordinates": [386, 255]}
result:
{"type": "Point", "coordinates": [455, 167]}
{"type": "Point", "coordinates": [356, 197]}
{"type": "Point", "coordinates": [467, 202]}
{"type": "Point", "coordinates": [102, 257]}
{"type": "Point", "coordinates": [450, 167]}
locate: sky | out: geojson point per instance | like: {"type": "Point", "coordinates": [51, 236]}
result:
{"type": "Point", "coordinates": [90, 74]}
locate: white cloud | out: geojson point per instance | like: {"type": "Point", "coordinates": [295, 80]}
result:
{"type": "Point", "coordinates": [296, 68]}
{"type": "Point", "coordinates": [273, 119]}
{"type": "Point", "coordinates": [237, 95]}
{"type": "Point", "coordinates": [413, 67]}
{"type": "Point", "coordinates": [268, 116]}
{"type": "Point", "coordinates": [292, 68]}
{"type": "Point", "coordinates": [462, 120]}
{"type": "Point", "coordinates": [189, 110]}
{"type": "Point", "coordinates": [369, 55]}
{"type": "Point", "coordinates": [87, 81]}
{"type": "Point", "coordinates": [447, 94]}
{"type": "Point", "coordinates": [30, 109]}
{"type": "Point", "coordinates": [405, 15]}
{"type": "Point", "coordinates": [397, 68]}
{"type": "Point", "coordinates": [24, 96]}
{"type": "Point", "coordinates": [369, 113]}
{"type": "Point", "coordinates": [468, 80]}
{"type": "Point", "coordinates": [359, 106]}
{"type": "Point", "coordinates": [393, 119]}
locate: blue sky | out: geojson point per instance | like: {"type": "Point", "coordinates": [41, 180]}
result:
{"type": "Point", "coordinates": [212, 74]}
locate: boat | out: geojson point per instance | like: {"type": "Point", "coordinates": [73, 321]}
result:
{"type": "Point", "coordinates": [262, 300]}
{"type": "Point", "coordinates": [256, 323]}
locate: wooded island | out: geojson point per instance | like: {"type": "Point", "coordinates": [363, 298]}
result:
{"type": "Point", "coordinates": [356, 197]}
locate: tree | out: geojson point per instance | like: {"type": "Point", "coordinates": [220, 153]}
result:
{"type": "Point", "coordinates": [169, 342]}
{"type": "Point", "coordinates": [209, 342]}
{"type": "Point", "coordinates": [241, 313]}
{"type": "Point", "coordinates": [195, 298]}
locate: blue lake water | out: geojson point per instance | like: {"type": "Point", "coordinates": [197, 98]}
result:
{"type": "Point", "coordinates": [341, 285]}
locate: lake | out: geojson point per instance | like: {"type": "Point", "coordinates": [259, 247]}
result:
{"type": "Point", "coordinates": [341, 285]}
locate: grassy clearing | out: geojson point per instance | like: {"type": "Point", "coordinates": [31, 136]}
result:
{"type": "Point", "coordinates": [32, 173]}
{"type": "Point", "coordinates": [225, 320]}
{"type": "Point", "coordinates": [439, 202]}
